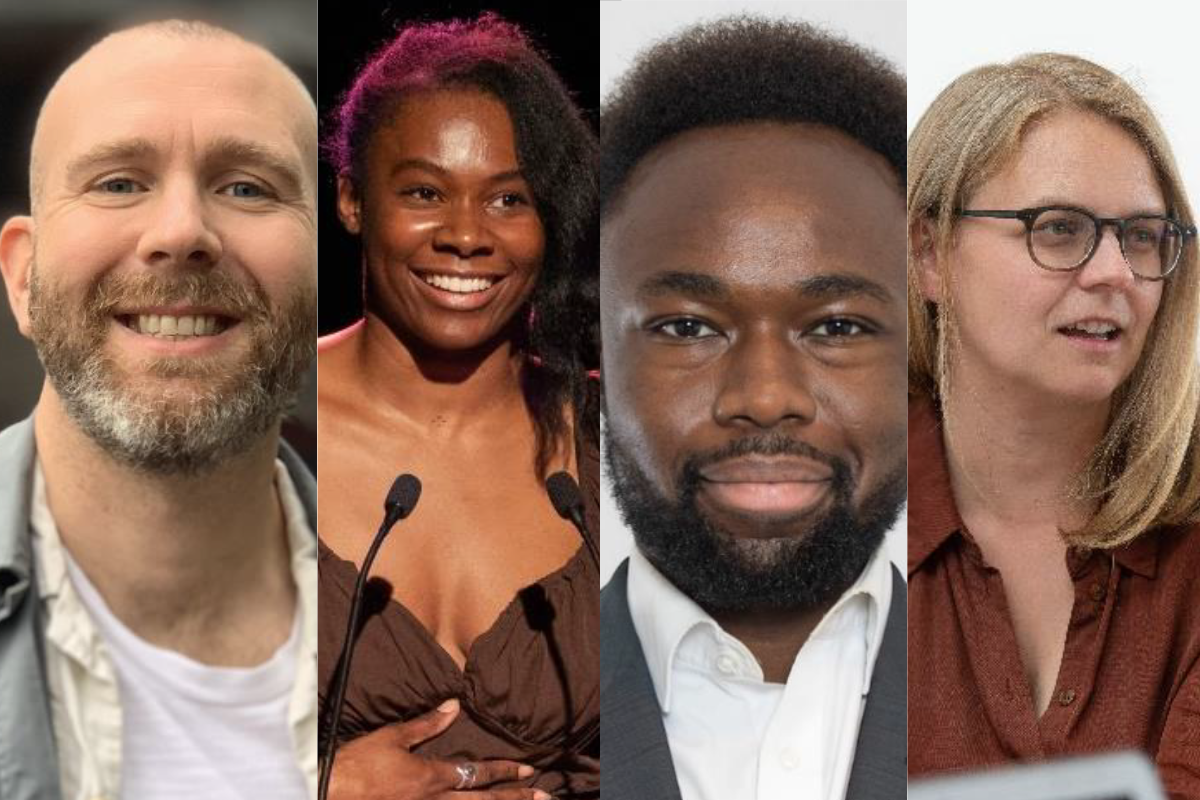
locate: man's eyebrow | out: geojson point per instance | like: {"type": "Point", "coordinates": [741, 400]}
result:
{"type": "Point", "coordinates": [707, 287]}
{"type": "Point", "coordinates": [135, 149]}
{"type": "Point", "coordinates": [835, 286]}
{"type": "Point", "coordinates": [693, 284]}
{"type": "Point", "coordinates": [235, 151]}
{"type": "Point", "coordinates": [225, 150]}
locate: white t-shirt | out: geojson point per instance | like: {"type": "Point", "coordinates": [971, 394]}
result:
{"type": "Point", "coordinates": [192, 730]}
{"type": "Point", "coordinates": [139, 722]}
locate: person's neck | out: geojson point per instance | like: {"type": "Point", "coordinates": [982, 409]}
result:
{"type": "Point", "coordinates": [773, 637]}
{"type": "Point", "coordinates": [448, 394]}
{"type": "Point", "coordinates": [1015, 456]}
{"type": "Point", "coordinates": [184, 561]}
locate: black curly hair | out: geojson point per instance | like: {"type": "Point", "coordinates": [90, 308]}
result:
{"type": "Point", "coordinates": [749, 69]}
{"type": "Point", "coordinates": [556, 151]}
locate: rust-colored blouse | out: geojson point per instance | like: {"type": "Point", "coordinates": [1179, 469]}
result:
{"type": "Point", "coordinates": [1130, 674]}
{"type": "Point", "coordinates": [529, 690]}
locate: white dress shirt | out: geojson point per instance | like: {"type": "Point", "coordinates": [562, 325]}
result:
{"type": "Point", "coordinates": [733, 735]}
{"type": "Point", "coordinates": [103, 747]}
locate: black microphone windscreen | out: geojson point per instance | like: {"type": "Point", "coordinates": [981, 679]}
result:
{"type": "Point", "coordinates": [403, 496]}
{"type": "Point", "coordinates": [564, 494]}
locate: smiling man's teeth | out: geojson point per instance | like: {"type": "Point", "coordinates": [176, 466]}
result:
{"type": "Point", "coordinates": [451, 283]}
{"type": "Point", "coordinates": [163, 326]}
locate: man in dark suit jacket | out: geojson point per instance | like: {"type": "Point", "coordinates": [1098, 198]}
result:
{"type": "Point", "coordinates": [634, 751]}
{"type": "Point", "coordinates": [753, 308]}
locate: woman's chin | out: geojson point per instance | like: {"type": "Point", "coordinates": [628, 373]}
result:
{"type": "Point", "coordinates": [1083, 392]}
{"type": "Point", "coordinates": [457, 341]}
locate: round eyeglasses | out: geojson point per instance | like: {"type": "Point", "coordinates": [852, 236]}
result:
{"type": "Point", "coordinates": [1063, 238]}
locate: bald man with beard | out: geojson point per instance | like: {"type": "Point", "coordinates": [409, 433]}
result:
{"type": "Point", "coordinates": [157, 554]}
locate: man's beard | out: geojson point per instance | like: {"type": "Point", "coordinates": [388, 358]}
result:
{"type": "Point", "coordinates": [789, 570]}
{"type": "Point", "coordinates": [228, 406]}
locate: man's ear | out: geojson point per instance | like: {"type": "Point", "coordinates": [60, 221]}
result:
{"type": "Point", "coordinates": [16, 264]}
{"type": "Point", "coordinates": [925, 260]}
{"type": "Point", "coordinates": [349, 205]}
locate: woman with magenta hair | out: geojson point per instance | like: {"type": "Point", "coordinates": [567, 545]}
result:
{"type": "Point", "coordinates": [466, 172]}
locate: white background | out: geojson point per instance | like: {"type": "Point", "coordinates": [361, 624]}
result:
{"type": "Point", "coordinates": [1155, 46]}
{"type": "Point", "coordinates": [627, 28]}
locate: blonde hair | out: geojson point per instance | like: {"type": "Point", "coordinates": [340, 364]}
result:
{"type": "Point", "coordinates": [1143, 472]}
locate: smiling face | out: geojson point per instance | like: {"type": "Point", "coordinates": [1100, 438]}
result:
{"type": "Point", "coordinates": [752, 293]}
{"type": "Point", "coordinates": [451, 239]}
{"type": "Point", "coordinates": [1053, 336]}
{"type": "Point", "coordinates": [168, 275]}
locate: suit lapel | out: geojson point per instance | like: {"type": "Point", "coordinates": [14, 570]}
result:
{"type": "Point", "coordinates": [881, 758]}
{"type": "Point", "coordinates": [634, 752]}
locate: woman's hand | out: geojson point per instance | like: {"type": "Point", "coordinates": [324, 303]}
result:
{"type": "Point", "coordinates": [380, 766]}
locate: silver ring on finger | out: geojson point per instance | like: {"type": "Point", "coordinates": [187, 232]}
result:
{"type": "Point", "coordinates": [467, 774]}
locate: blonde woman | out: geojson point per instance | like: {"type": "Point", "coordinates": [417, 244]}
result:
{"type": "Point", "coordinates": [1054, 565]}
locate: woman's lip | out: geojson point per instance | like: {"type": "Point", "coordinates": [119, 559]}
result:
{"type": "Point", "coordinates": [761, 498]}
{"type": "Point", "coordinates": [458, 273]}
{"type": "Point", "coordinates": [1091, 344]}
{"type": "Point", "coordinates": [455, 301]}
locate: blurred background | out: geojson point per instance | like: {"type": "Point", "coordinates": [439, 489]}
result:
{"type": "Point", "coordinates": [37, 41]}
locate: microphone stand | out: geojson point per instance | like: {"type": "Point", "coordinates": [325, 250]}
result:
{"type": "Point", "coordinates": [400, 502]}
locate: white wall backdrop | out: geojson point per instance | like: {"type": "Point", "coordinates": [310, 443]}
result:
{"type": "Point", "coordinates": [629, 26]}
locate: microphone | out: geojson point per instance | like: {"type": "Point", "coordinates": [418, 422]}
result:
{"type": "Point", "coordinates": [568, 502]}
{"type": "Point", "coordinates": [401, 500]}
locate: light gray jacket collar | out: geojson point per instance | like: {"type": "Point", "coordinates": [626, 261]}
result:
{"type": "Point", "coordinates": [16, 476]}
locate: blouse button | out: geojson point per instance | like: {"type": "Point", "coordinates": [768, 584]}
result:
{"type": "Point", "coordinates": [1066, 697]}
{"type": "Point", "coordinates": [1097, 592]}
{"type": "Point", "coordinates": [727, 664]}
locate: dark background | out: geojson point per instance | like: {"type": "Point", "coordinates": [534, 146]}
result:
{"type": "Point", "coordinates": [38, 39]}
{"type": "Point", "coordinates": [570, 39]}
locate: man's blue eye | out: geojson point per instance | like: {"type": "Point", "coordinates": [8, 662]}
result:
{"type": "Point", "coordinates": [119, 186]}
{"type": "Point", "coordinates": [245, 189]}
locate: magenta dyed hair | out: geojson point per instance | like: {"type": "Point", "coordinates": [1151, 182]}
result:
{"type": "Point", "coordinates": [421, 56]}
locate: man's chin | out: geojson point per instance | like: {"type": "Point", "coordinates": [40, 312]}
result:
{"type": "Point", "coordinates": [792, 520]}
{"type": "Point", "coordinates": [181, 425]}
{"type": "Point", "coordinates": [728, 560]}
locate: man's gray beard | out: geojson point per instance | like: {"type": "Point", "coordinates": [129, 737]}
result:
{"type": "Point", "coordinates": [174, 432]}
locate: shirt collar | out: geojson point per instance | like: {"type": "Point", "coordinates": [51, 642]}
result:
{"type": "Point", "coordinates": [54, 587]}
{"type": "Point", "coordinates": [933, 517]}
{"type": "Point", "coordinates": [303, 543]}
{"type": "Point", "coordinates": [663, 617]}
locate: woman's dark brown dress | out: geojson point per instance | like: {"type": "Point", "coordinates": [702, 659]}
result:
{"type": "Point", "coordinates": [529, 690]}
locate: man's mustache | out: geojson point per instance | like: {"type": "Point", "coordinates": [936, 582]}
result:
{"type": "Point", "coordinates": [212, 289]}
{"type": "Point", "coordinates": [773, 444]}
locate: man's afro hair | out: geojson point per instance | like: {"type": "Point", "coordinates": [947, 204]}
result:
{"type": "Point", "coordinates": [749, 69]}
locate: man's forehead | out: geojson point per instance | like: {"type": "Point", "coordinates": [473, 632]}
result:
{"type": "Point", "coordinates": [126, 88]}
{"type": "Point", "coordinates": [757, 205]}
{"type": "Point", "coordinates": [758, 156]}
